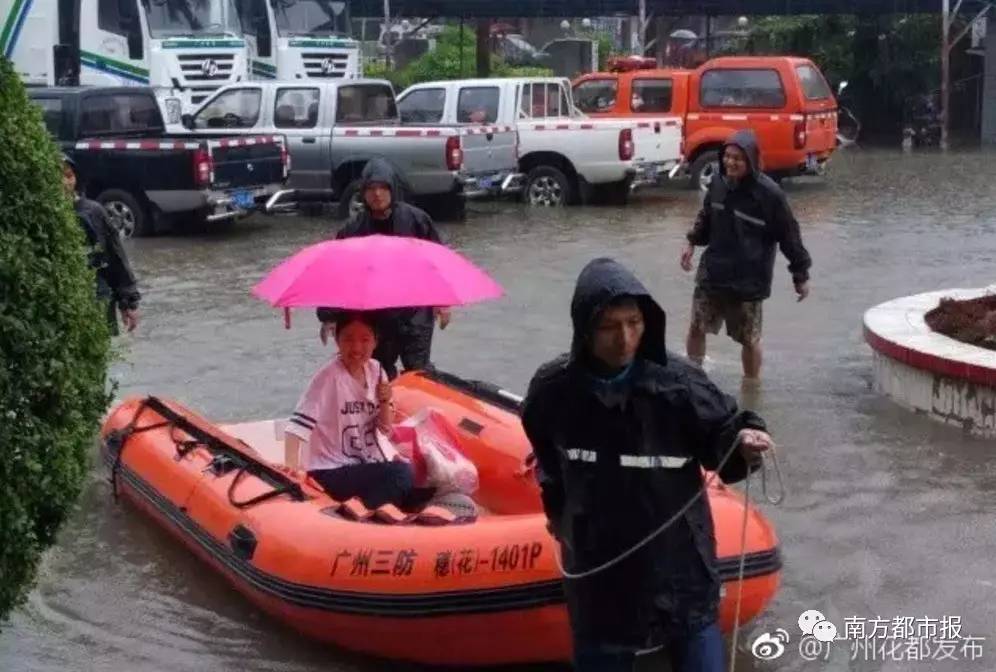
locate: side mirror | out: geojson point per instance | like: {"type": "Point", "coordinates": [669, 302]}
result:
{"type": "Point", "coordinates": [128, 19]}
{"type": "Point", "coordinates": [264, 46]}
{"type": "Point", "coordinates": [135, 50]}
{"type": "Point", "coordinates": [187, 121]}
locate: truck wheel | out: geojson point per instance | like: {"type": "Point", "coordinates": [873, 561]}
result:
{"type": "Point", "coordinates": [127, 214]}
{"type": "Point", "coordinates": [703, 169]}
{"type": "Point", "coordinates": [350, 200]}
{"type": "Point", "coordinates": [547, 186]}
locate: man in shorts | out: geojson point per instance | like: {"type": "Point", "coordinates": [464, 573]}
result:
{"type": "Point", "coordinates": [744, 216]}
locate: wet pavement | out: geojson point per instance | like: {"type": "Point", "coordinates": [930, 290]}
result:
{"type": "Point", "coordinates": [887, 515]}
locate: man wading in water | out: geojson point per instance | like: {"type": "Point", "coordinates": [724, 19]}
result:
{"type": "Point", "coordinates": [621, 430]}
{"type": "Point", "coordinates": [743, 217]}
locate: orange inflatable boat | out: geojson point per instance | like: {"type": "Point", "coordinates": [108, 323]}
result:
{"type": "Point", "coordinates": [414, 588]}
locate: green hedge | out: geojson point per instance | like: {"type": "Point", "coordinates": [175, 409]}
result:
{"type": "Point", "coordinates": [54, 345]}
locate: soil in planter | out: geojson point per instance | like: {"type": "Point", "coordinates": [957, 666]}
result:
{"type": "Point", "coordinates": [971, 321]}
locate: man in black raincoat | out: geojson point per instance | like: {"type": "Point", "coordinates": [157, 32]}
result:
{"type": "Point", "coordinates": [401, 333]}
{"type": "Point", "coordinates": [744, 216]}
{"type": "Point", "coordinates": [116, 284]}
{"type": "Point", "coordinates": [621, 429]}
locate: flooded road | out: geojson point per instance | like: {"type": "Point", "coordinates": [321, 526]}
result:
{"type": "Point", "coordinates": [887, 515]}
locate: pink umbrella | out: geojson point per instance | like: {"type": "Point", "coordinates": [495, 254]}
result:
{"type": "Point", "coordinates": [376, 272]}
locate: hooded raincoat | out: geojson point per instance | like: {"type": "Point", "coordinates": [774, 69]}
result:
{"type": "Point", "coordinates": [115, 280]}
{"type": "Point", "coordinates": [404, 333]}
{"type": "Point", "coordinates": [617, 459]}
{"type": "Point", "coordinates": [740, 226]}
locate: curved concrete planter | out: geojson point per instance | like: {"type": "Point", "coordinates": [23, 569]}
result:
{"type": "Point", "coordinates": [948, 380]}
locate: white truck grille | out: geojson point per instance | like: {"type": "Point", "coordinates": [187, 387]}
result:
{"type": "Point", "coordinates": [325, 66]}
{"type": "Point", "coordinates": [203, 73]}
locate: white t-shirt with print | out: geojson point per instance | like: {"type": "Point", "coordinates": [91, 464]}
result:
{"type": "Point", "coordinates": [338, 418]}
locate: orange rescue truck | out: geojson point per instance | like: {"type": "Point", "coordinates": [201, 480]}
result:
{"type": "Point", "coordinates": [785, 100]}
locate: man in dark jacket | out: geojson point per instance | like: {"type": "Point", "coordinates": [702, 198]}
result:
{"type": "Point", "coordinates": [404, 333]}
{"type": "Point", "coordinates": [621, 429]}
{"type": "Point", "coordinates": [115, 280]}
{"type": "Point", "coordinates": [743, 217]}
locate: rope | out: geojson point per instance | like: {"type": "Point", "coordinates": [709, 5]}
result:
{"type": "Point", "coordinates": [743, 534]}
{"type": "Point", "coordinates": [120, 437]}
{"type": "Point", "coordinates": [653, 535]}
{"type": "Point", "coordinates": [276, 492]}
{"type": "Point", "coordinates": [740, 575]}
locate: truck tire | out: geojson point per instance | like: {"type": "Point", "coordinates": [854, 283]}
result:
{"type": "Point", "coordinates": [547, 186]}
{"type": "Point", "coordinates": [127, 214]}
{"type": "Point", "coordinates": [703, 169]}
{"type": "Point", "coordinates": [350, 200]}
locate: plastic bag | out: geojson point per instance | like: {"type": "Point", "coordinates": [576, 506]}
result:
{"type": "Point", "coordinates": [430, 444]}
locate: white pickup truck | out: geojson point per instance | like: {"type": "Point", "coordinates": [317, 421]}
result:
{"type": "Point", "coordinates": [333, 128]}
{"type": "Point", "coordinates": [565, 156]}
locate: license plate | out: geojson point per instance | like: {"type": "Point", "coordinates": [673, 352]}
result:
{"type": "Point", "coordinates": [244, 199]}
{"type": "Point", "coordinates": [651, 173]}
{"type": "Point", "coordinates": [811, 162]}
{"type": "Point", "coordinates": [485, 182]}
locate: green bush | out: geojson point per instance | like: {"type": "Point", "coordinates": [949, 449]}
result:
{"type": "Point", "coordinates": [54, 345]}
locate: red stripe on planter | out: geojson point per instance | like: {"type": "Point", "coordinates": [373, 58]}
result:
{"type": "Point", "coordinates": [973, 373]}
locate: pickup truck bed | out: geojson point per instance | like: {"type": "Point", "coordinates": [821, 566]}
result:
{"type": "Point", "coordinates": [142, 175]}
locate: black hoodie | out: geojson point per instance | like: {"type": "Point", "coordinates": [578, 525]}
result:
{"type": "Point", "coordinates": [404, 220]}
{"type": "Point", "coordinates": [740, 225]}
{"type": "Point", "coordinates": [115, 279]}
{"type": "Point", "coordinates": [616, 460]}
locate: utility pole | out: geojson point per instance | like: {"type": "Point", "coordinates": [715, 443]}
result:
{"type": "Point", "coordinates": [387, 32]}
{"type": "Point", "coordinates": [643, 27]}
{"type": "Point", "coordinates": [945, 69]}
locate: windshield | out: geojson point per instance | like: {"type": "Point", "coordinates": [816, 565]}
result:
{"type": "Point", "coordinates": [311, 17]}
{"type": "Point", "coordinates": [192, 18]}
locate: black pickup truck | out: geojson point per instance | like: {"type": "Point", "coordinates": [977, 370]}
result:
{"type": "Point", "coordinates": [144, 176]}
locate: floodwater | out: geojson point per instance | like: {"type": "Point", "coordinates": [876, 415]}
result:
{"type": "Point", "coordinates": [887, 515]}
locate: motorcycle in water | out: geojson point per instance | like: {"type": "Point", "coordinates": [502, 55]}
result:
{"type": "Point", "coordinates": [848, 124]}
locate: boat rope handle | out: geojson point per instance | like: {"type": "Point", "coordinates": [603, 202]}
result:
{"type": "Point", "coordinates": [275, 492]}
{"type": "Point", "coordinates": [120, 437]}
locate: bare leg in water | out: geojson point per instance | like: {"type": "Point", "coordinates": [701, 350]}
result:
{"type": "Point", "coordinates": [695, 345]}
{"type": "Point", "coordinates": [751, 357]}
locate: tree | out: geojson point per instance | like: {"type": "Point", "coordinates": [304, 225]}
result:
{"type": "Point", "coordinates": [453, 58]}
{"type": "Point", "coordinates": [54, 345]}
{"type": "Point", "coordinates": [888, 60]}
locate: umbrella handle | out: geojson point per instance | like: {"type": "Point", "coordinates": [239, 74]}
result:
{"type": "Point", "coordinates": [286, 318]}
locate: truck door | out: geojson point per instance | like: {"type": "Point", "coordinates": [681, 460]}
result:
{"type": "Point", "coordinates": [295, 116]}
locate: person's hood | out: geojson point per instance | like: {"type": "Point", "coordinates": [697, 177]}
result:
{"type": "Point", "coordinates": [381, 171]}
{"type": "Point", "coordinates": [599, 283]}
{"type": "Point", "coordinates": [747, 141]}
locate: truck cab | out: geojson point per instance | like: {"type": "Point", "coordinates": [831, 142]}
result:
{"type": "Point", "coordinates": [181, 48]}
{"type": "Point", "coordinates": [299, 39]}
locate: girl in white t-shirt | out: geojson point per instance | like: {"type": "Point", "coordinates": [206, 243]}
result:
{"type": "Point", "coordinates": [339, 419]}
